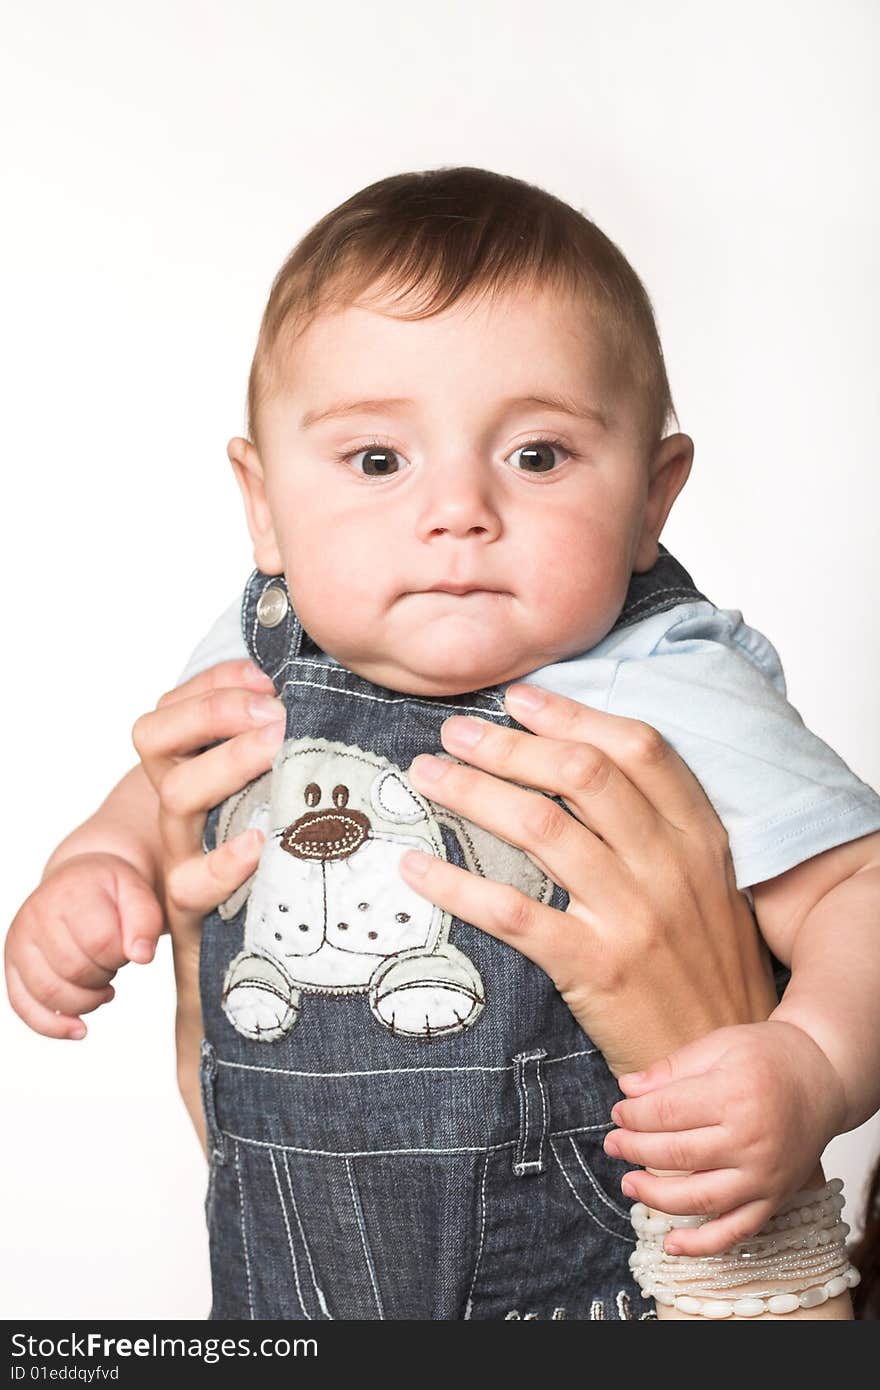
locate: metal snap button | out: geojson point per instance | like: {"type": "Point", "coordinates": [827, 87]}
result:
{"type": "Point", "coordinates": [272, 606]}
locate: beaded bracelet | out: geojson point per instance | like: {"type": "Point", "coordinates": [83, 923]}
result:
{"type": "Point", "coordinates": [802, 1250]}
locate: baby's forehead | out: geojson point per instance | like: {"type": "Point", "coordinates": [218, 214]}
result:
{"type": "Point", "coordinates": [550, 354]}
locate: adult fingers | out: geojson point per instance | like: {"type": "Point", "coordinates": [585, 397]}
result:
{"type": "Point", "coordinates": [201, 882]}
{"type": "Point", "coordinates": [650, 763]}
{"type": "Point", "coordinates": [38, 1016]}
{"type": "Point", "coordinates": [584, 776]}
{"type": "Point", "coordinates": [186, 726]}
{"type": "Point", "coordinates": [542, 933]}
{"type": "Point", "coordinates": [564, 848]}
{"type": "Point", "coordinates": [197, 784]}
{"type": "Point", "coordinates": [224, 673]}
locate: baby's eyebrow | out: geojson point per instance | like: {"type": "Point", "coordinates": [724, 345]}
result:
{"type": "Point", "coordinates": [390, 405]}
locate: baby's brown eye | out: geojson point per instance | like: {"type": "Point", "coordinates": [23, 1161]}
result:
{"type": "Point", "coordinates": [278, 936]}
{"type": "Point", "coordinates": [378, 461]}
{"type": "Point", "coordinates": [537, 457]}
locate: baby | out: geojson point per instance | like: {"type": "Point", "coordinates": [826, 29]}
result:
{"type": "Point", "coordinates": [456, 478]}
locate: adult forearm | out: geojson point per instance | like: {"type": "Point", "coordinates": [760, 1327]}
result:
{"type": "Point", "coordinates": [126, 823]}
{"type": "Point", "coordinates": [835, 986]}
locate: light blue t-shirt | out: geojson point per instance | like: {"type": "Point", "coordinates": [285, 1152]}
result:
{"type": "Point", "coordinates": [715, 689]}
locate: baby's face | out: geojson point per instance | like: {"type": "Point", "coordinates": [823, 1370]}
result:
{"type": "Point", "coordinates": [450, 465]}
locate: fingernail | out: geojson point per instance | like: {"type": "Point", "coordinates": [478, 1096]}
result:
{"type": "Point", "coordinates": [671, 1248]}
{"type": "Point", "coordinates": [266, 710]}
{"type": "Point", "coordinates": [427, 766]}
{"type": "Point", "coordinates": [611, 1145]}
{"type": "Point", "coordinates": [245, 845]}
{"type": "Point", "coordinates": [77, 1031]}
{"type": "Point", "coordinates": [274, 732]}
{"type": "Point", "coordinates": [141, 951]}
{"type": "Point", "coordinates": [253, 673]}
{"type": "Point", "coordinates": [627, 1187]}
{"type": "Point", "coordinates": [526, 696]}
{"type": "Point", "coordinates": [615, 1115]}
{"type": "Point", "coordinates": [463, 731]}
{"type": "Point", "coordinates": [632, 1078]}
{"type": "Point", "coordinates": [415, 862]}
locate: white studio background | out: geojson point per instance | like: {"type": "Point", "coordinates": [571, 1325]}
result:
{"type": "Point", "coordinates": [160, 162]}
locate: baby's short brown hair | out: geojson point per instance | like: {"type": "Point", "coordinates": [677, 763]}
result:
{"type": "Point", "coordinates": [436, 235]}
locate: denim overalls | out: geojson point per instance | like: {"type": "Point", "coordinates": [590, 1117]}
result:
{"type": "Point", "coordinates": [404, 1118]}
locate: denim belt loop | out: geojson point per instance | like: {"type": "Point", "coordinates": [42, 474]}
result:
{"type": "Point", "coordinates": [534, 1112]}
{"type": "Point", "coordinates": [207, 1078]}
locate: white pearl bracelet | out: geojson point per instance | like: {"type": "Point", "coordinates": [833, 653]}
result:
{"type": "Point", "coordinates": [802, 1251]}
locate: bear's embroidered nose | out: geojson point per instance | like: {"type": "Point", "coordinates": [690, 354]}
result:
{"type": "Point", "coordinates": [326, 835]}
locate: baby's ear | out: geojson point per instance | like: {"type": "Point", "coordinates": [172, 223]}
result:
{"type": "Point", "coordinates": [667, 474]}
{"type": "Point", "coordinates": [248, 470]}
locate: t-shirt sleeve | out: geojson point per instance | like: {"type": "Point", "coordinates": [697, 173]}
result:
{"type": "Point", "coordinates": [715, 689]}
{"type": "Point", "coordinates": [222, 642]}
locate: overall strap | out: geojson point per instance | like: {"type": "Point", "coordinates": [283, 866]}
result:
{"type": "Point", "coordinates": [663, 586]}
{"type": "Point", "coordinates": [271, 630]}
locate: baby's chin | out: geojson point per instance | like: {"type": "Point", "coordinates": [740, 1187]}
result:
{"type": "Point", "coordinates": [433, 665]}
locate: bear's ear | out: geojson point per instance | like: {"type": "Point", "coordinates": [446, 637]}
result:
{"type": "Point", "coordinates": [243, 811]}
{"type": "Point", "coordinates": [489, 855]}
{"type": "Point", "coordinates": [393, 799]}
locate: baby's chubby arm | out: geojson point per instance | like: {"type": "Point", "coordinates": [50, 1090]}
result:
{"type": "Point", "coordinates": [98, 906]}
{"type": "Point", "coordinates": [727, 1108]}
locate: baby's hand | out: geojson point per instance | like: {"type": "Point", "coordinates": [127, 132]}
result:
{"type": "Point", "coordinates": [741, 1116]}
{"type": "Point", "coordinates": [90, 915]}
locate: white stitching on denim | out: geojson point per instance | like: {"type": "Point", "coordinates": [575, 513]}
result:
{"type": "Point", "coordinates": [356, 1203]}
{"type": "Point", "coordinates": [582, 1129]}
{"type": "Point", "coordinates": [247, 1263]}
{"type": "Point", "coordinates": [470, 1301]}
{"type": "Point", "coordinates": [540, 1075]}
{"type": "Point", "coordinates": [597, 1310]}
{"type": "Point", "coordinates": [391, 1071]}
{"type": "Point", "coordinates": [624, 1305]}
{"type": "Point", "coordinates": [386, 700]}
{"type": "Point", "coordinates": [580, 1199]}
{"type": "Point", "coordinates": [368, 1153]}
{"type": "Point", "coordinates": [383, 1153]}
{"type": "Point", "coordinates": [289, 1239]}
{"type": "Point", "coordinates": [595, 1186]}
{"type": "Point", "coordinates": [522, 1091]}
{"type": "Point", "coordinates": [319, 1293]}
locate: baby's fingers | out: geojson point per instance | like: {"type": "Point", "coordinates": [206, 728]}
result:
{"type": "Point", "coordinates": [52, 990]}
{"type": "Point", "coordinates": [713, 1237]}
{"type": "Point", "coordinates": [687, 1104]}
{"type": "Point", "coordinates": [710, 1194]}
{"type": "Point", "coordinates": [203, 881]}
{"type": "Point", "coordinates": [36, 1015]}
{"type": "Point", "coordinates": [687, 1152]}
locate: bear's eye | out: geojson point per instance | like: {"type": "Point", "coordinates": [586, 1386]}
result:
{"type": "Point", "coordinates": [362, 907]}
{"type": "Point", "coordinates": [278, 936]}
{"type": "Point", "coordinates": [282, 907]}
{"type": "Point", "coordinates": [401, 916]}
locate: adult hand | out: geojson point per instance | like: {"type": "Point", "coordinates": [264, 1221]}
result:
{"type": "Point", "coordinates": [657, 946]}
{"type": "Point", "coordinates": [233, 701]}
